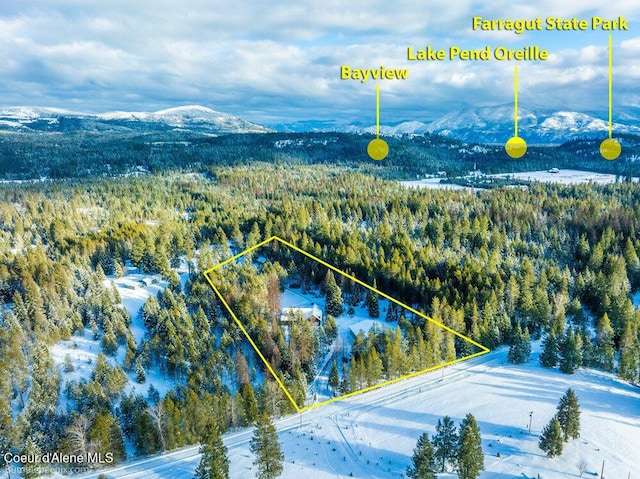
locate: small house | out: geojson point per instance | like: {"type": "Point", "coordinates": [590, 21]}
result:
{"type": "Point", "coordinates": [366, 325]}
{"type": "Point", "coordinates": [312, 314]}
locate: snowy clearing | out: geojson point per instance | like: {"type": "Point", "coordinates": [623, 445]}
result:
{"type": "Point", "coordinates": [373, 435]}
{"type": "Point", "coordinates": [563, 177]}
{"type": "Point", "coordinates": [348, 327]}
{"type": "Point", "coordinates": [434, 184]}
{"type": "Point", "coordinates": [82, 349]}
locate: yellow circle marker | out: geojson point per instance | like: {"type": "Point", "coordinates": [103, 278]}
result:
{"type": "Point", "coordinates": [516, 147]}
{"type": "Point", "coordinates": [610, 149]}
{"type": "Point", "coordinates": [378, 149]}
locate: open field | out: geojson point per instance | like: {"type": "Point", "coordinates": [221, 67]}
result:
{"type": "Point", "coordinates": [373, 435]}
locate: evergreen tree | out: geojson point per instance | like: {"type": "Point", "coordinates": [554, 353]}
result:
{"type": "Point", "coordinates": [633, 264]}
{"type": "Point", "coordinates": [445, 443]}
{"type": "Point", "coordinates": [214, 463]}
{"type": "Point", "coordinates": [330, 327]}
{"type": "Point", "coordinates": [551, 438]}
{"type": "Point", "coordinates": [373, 305]}
{"type": "Point", "coordinates": [266, 447]}
{"type": "Point", "coordinates": [549, 355]}
{"type": "Point", "coordinates": [105, 436]}
{"type": "Point", "coordinates": [629, 364]}
{"type": "Point", "coordinates": [423, 465]}
{"type": "Point", "coordinates": [570, 353]}
{"type": "Point", "coordinates": [605, 347]}
{"type": "Point", "coordinates": [334, 377]}
{"type": "Point", "coordinates": [109, 342]}
{"type": "Point", "coordinates": [470, 460]}
{"type": "Point", "coordinates": [130, 355]}
{"type": "Point", "coordinates": [520, 348]}
{"type": "Point", "coordinates": [141, 376]}
{"type": "Point", "coordinates": [118, 269]}
{"type": "Point", "coordinates": [373, 367]}
{"type": "Point", "coordinates": [249, 404]}
{"type": "Point", "coordinates": [33, 469]}
{"type": "Point", "coordinates": [335, 305]}
{"type": "Point", "coordinates": [569, 415]}
{"type": "Point", "coordinates": [6, 426]}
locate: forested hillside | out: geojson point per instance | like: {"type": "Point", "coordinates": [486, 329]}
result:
{"type": "Point", "coordinates": [83, 154]}
{"type": "Point", "coordinates": [501, 266]}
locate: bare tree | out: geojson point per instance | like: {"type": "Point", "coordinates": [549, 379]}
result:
{"type": "Point", "coordinates": [582, 466]}
{"type": "Point", "coordinates": [273, 299]}
{"type": "Point", "coordinates": [242, 370]}
{"type": "Point", "coordinates": [274, 397]}
{"type": "Point", "coordinates": [78, 435]}
{"type": "Point", "coordinates": [158, 414]}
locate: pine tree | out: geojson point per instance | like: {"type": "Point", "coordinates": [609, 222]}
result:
{"type": "Point", "coordinates": [551, 438]}
{"type": "Point", "coordinates": [445, 443]}
{"type": "Point", "coordinates": [393, 312]}
{"type": "Point", "coordinates": [549, 355]}
{"type": "Point", "coordinates": [373, 305]}
{"type": "Point", "coordinates": [373, 367]}
{"type": "Point", "coordinates": [335, 305]}
{"type": "Point", "coordinates": [118, 269]}
{"type": "Point", "coordinates": [32, 470]}
{"type": "Point", "coordinates": [334, 377]}
{"type": "Point", "coordinates": [520, 348]}
{"type": "Point", "coordinates": [330, 327]}
{"type": "Point", "coordinates": [569, 415]}
{"type": "Point", "coordinates": [423, 465]}
{"type": "Point", "coordinates": [249, 404]}
{"type": "Point", "coordinates": [629, 364]}
{"type": "Point", "coordinates": [105, 436]}
{"type": "Point", "coordinates": [214, 463]}
{"type": "Point", "coordinates": [130, 355]}
{"type": "Point", "coordinates": [633, 264]}
{"type": "Point", "coordinates": [470, 460]}
{"type": "Point", "coordinates": [266, 447]}
{"type": "Point", "coordinates": [141, 376]}
{"type": "Point", "coordinates": [605, 348]}
{"type": "Point", "coordinates": [570, 353]}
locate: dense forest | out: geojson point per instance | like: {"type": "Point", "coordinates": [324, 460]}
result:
{"type": "Point", "coordinates": [90, 154]}
{"type": "Point", "coordinates": [503, 266]}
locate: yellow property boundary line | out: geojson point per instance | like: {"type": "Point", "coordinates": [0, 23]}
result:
{"type": "Point", "coordinates": [483, 349]}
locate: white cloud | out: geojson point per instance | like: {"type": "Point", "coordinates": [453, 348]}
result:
{"type": "Point", "coordinates": [280, 60]}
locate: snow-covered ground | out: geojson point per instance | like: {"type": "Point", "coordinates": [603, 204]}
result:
{"type": "Point", "coordinates": [373, 435]}
{"type": "Point", "coordinates": [433, 184]}
{"type": "Point", "coordinates": [83, 350]}
{"type": "Point", "coordinates": [564, 177]}
{"type": "Point", "coordinates": [348, 326]}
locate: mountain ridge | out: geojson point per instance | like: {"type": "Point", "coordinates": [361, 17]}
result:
{"type": "Point", "coordinates": [495, 125]}
{"type": "Point", "coordinates": [484, 125]}
{"type": "Point", "coordinates": [188, 117]}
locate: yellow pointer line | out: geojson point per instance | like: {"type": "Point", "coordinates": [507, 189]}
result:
{"type": "Point", "coordinates": [515, 101]}
{"type": "Point", "coordinates": [377, 111]}
{"type": "Point", "coordinates": [384, 295]}
{"type": "Point", "coordinates": [264, 360]}
{"type": "Point", "coordinates": [483, 349]}
{"type": "Point", "coordinates": [610, 87]}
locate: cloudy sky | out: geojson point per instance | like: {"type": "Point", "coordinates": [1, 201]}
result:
{"type": "Point", "coordinates": [279, 61]}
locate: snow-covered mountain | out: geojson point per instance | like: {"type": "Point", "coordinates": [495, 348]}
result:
{"type": "Point", "coordinates": [495, 125]}
{"type": "Point", "coordinates": [536, 126]}
{"type": "Point", "coordinates": [192, 118]}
